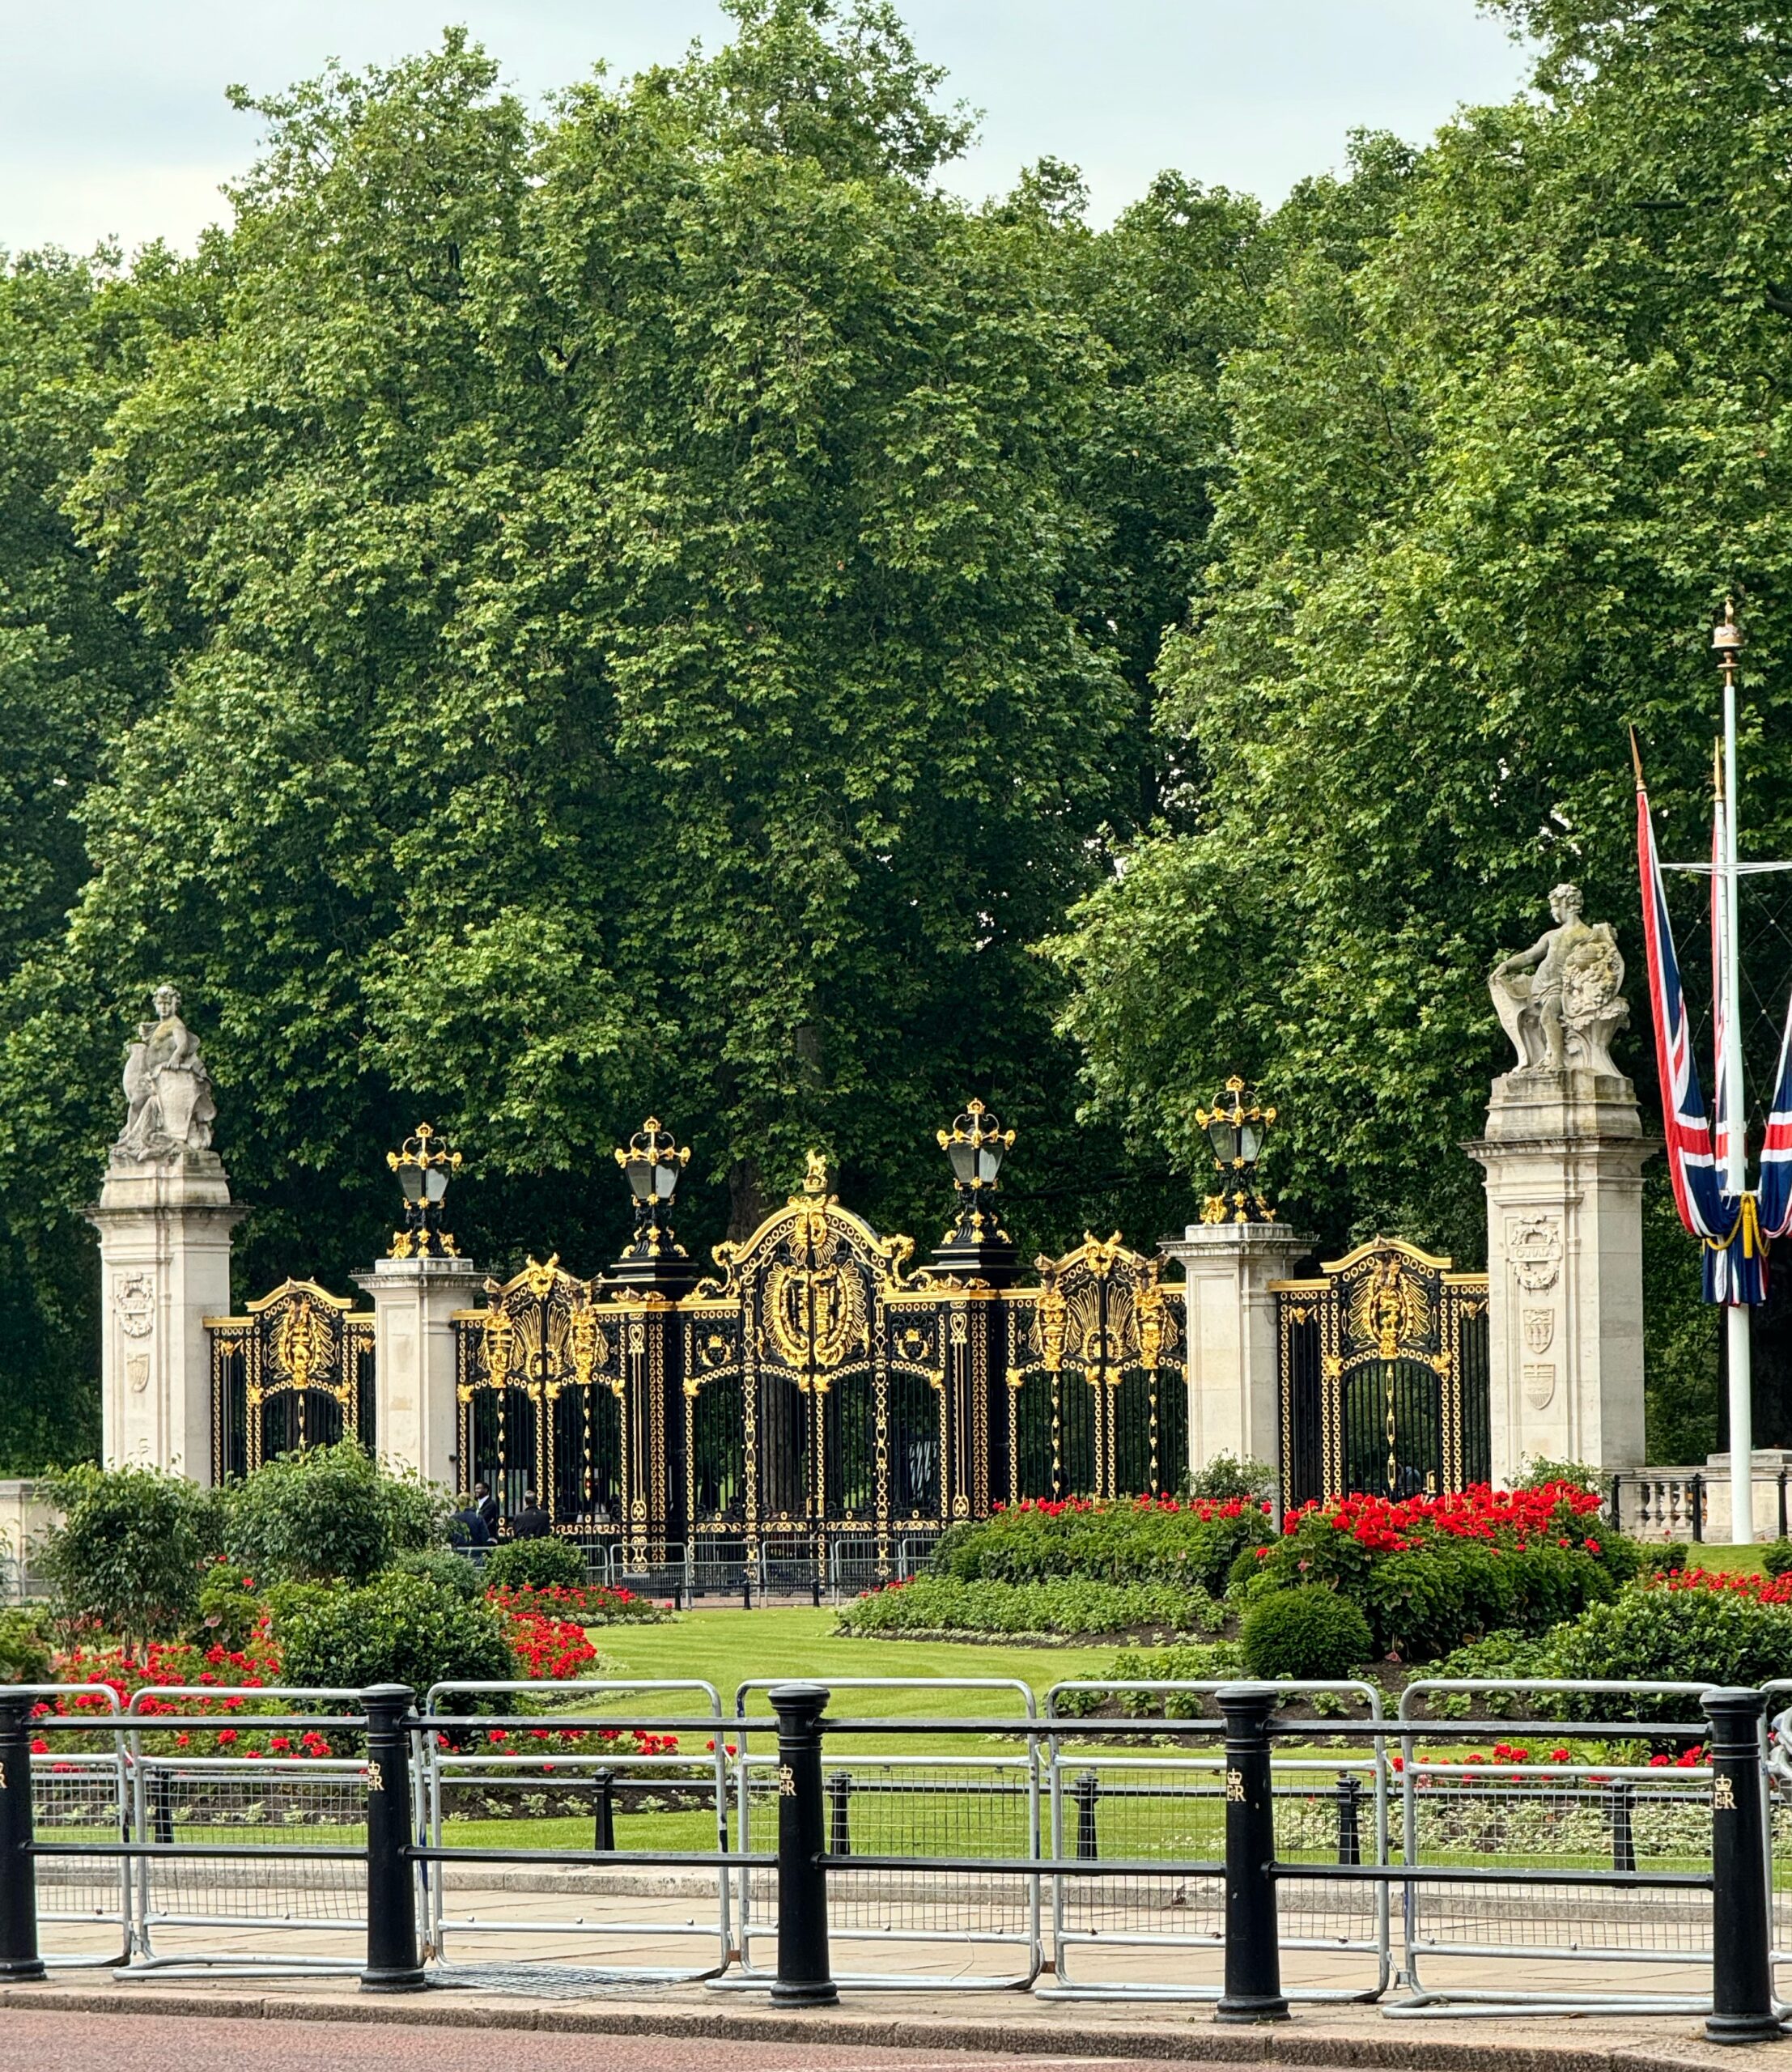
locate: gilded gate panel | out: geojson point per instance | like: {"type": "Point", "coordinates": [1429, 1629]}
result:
{"type": "Point", "coordinates": [1382, 1375]}
{"type": "Point", "coordinates": [295, 1371]}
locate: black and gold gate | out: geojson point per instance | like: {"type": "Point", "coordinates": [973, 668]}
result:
{"type": "Point", "coordinates": [820, 1396]}
{"type": "Point", "coordinates": [1097, 1401]}
{"type": "Point", "coordinates": [1383, 1376]}
{"type": "Point", "coordinates": [296, 1371]}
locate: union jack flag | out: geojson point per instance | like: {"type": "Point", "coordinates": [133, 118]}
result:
{"type": "Point", "coordinates": [1736, 1252]}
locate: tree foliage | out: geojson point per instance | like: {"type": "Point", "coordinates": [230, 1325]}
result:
{"type": "Point", "coordinates": [1517, 421]}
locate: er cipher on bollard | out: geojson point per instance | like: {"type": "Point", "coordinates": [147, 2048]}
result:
{"type": "Point", "coordinates": [1253, 1953]}
{"type": "Point", "coordinates": [19, 1959]}
{"type": "Point", "coordinates": [1742, 1974]}
{"type": "Point", "coordinates": [804, 1977]}
{"type": "Point", "coordinates": [394, 1962]}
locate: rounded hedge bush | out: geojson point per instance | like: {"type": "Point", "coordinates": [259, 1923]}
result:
{"type": "Point", "coordinates": [442, 1565]}
{"type": "Point", "coordinates": [399, 1628]}
{"type": "Point", "coordinates": [1314, 1634]}
{"type": "Point", "coordinates": [536, 1565]}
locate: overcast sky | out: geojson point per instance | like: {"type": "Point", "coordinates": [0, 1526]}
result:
{"type": "Point", "coordinates": [117, 124]}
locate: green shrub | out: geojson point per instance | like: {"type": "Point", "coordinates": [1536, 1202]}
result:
{"type": "Point", "coordinates": [1655, 1634]}
{"type": "Point", "coordinates": [330, 1512]}
{"type": "Point", "coordinates": [1312, 1633]}
{"type": "Point", "coordinates": [1124, 1542]}
{"type": "Point", "coordinates": [1183, 1663]}
{"type": "Point", "coordinates": [399, 1628]}
{"type": "Point", "coordinates": [127, 1552]}
{"type": "Point", "coordinates": [1506, 1655]}
{"type": "Point", "coordinates": [1063, 1610]}
{"type": "Point", "coordinates": [1224, 1476]}
{"type": "Point", "coordinates": [24, 1646]}
{"type": "Point", "coordinates": [1776, 1557]}
{"type": "Point", "coordinates": [536, 1565]}
{"type": "Point", "coordinates": [442, 1566]}
{"type": "Point", "coordinates": [1538, 1473]}
{"type": "Point", "coordinates": [229, 1602]}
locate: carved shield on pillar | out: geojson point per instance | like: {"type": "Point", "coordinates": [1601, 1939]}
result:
{"type": "Point", "coordinates": [1539, 1329]}
{"type": "Point", "coordinates": [1540, 1383]}
{"type": "Point", "coordinates": [178, 1092]}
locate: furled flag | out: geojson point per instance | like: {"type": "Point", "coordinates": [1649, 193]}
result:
{"type": "Point", "coordinates": [1736, 1264]}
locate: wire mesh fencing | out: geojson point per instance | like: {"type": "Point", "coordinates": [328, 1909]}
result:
{"type": "Point", "coordinates": [1147, 1934]}
{"type": "Point", "coordinates": [81, 1795]}
{"type": "Point", "coordinates": [1584, 1859]}
{"type": "Point", "coordinates": [529, 1800]}
{"type": "Point", "coordinates": [976, 1927]}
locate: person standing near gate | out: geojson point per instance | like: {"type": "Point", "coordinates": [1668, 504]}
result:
{"type": "Point", "coordinates": [531, 1522]}
{"type": "Point", "coordinates": [486, 1506]}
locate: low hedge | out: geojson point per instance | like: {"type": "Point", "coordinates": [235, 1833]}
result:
{"type": "Point", "coordinates": [1066, 1609]}
{"type": "Point", "coordinates": [1314, 1635]}
{"type": "Point", "coordinates": [399, 1628]}
{"type": "Point", "coordinates": [1192, 1541]}
{"type": "Point", "coordinates": [544, 1563]}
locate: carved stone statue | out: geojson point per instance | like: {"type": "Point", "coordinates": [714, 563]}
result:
{"type": "Point", "coordinates": [1558, 1000]}
{"type": "Point", "coordinates": [171, 1111]}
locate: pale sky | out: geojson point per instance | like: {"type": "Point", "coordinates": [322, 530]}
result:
{"type": "Point", "coordinates": [117, 124]}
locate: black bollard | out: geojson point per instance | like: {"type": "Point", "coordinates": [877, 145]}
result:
{"type": "Point", "coordinates": [1082, 1794]}
{"type": "Point", "coordinates": [161, 1807]}
{"type": "Point", "coordinates": [815, 1588]}
{"type": "Point", "coordinates": [392, 1956]}
{"type": "Point", "coordinates": [1350, 1831]}
{"type": "Point", "coordinates": [1621, 1796]}
{"type": "Point", "coordinates": [804, 1977]}
{"type": "Point", "coordinates": [1253, 1953]}
{"type": "Point", "coordinates": [19, 1956]}
{"type": "Point", "coordinates": [839, 1821]}
{"type": "Point", "coordinates": [604, 1782]}
{"type": "Point", "coordinates": [746, 1591]}
{"type": "Point", "coordinates": [1742, 1979]}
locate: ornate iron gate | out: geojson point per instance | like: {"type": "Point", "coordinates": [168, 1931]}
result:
{"type": "Point", "coordinates": [1383, 1376]}
{"type": "Point", "coordinates": [1097, 1401]}
{"type": "Point", "coordinates": [296, 1371]}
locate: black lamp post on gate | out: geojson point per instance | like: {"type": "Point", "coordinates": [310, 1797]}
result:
{"type": "Point", "coordinates": [424, 1164]}
{"type": "Point", "coordinates": [653, 1162]}
{"type": "Point", "coordinates": [1237, 1134]}
{"type": "Point", "coordinates": [977, 1246]}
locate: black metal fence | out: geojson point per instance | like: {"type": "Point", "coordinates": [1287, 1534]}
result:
{"type": "Point", "coordinates": [922, 1827]}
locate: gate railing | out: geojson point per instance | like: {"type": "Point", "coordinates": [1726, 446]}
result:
{"type": "Point", "coordinates": [922, 1825]}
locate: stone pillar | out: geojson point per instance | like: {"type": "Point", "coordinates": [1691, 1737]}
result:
{"type": "Point", "coordinates": [1564, 1155]}
{"type": "Point", "coordinates": [164, 1266]}
{"type": "Point", "coordinates": [414, 1301]}
{"type": "Point", "coordinates": [1232, 1397]}
{"type": "Point", "coordinates": [164, 1217]}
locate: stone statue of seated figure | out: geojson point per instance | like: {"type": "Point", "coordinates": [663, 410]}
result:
{"type": "Point", "coordinates": [1558, 1000]}
{"type": "Point", "coordinates": [167, 1088]}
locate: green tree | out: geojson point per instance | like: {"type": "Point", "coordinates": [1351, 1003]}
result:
{"type": "Point", "coordinates": [1517, 421]}
{"type": "Point", "coordinates": [328, 1512]}
{"type": "Point", "coordinates": [127, 1552]}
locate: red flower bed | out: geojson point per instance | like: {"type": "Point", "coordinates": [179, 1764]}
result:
{"type": "Point", "coordinates": [1765, 1589]}
{"type": "Point", "coordinates": [1507, 1516]}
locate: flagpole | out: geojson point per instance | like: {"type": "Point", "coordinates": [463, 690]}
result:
{"type": "Point", "coordinates": [1726, 639]}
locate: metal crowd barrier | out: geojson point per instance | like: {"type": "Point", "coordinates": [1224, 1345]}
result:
{"type": "Point", "coordinates": [608, 1782]}
{"type": "Point", "coordinates": [1332, 1809]}
{"type": "Point", "coordinates": [213, 1863]}
{"type": "Point", "coordinates": [976, 1806]}
{"type": "Point", "coordinates": [1555, 1876]}
{"type": "Point", "coordinates": [81, 1795]}
{"type": "Point", "coordinates": [1613, 1863]}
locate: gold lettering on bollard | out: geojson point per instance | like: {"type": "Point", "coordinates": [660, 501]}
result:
{"type": "Point", "coordinates": [1723, 1796]}
{"type": "Point", "coordinates": [2, 1776]}
{"type": "Point", "coordinates": [1235, 1785]}
{"type": "Point", "coordinates": [375, 1782]}
{"type": "Point", "coordinates": [787, 1782]}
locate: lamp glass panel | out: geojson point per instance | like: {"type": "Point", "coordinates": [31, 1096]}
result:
{"type": "Point", "coordinates": [410, 1178]}
{"type": "Point", "coordinates": [1251, 1137]}
{"type": "Point", "coordinates": [640, 1178]}
{"type": "Point", "coordinates": [1223, 1134]}
{"type": "Point", "coordinates": [963, 1156]}
{"type": "Point", "coordinates": [665, 1179]}
{"type": "Point", "coordinates": [989, 1160]}
{"type": "Point", "coordinates": [435, 1183]}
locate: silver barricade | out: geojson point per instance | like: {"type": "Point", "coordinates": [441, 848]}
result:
{"type": "Point", "coordinates": [283, 1797]}
{"type": "Point", "coordinates": [922, 1802]}
{"type": "Point", "coordinates": [1329, 1810]}
{"type": "Point", "coordinates": [1581, 1817]}
{"type": "Point", "coordinates": [1776, 1824]}
{"type": "Point", "coordinates": [660, 1899]}
{"type": "Point", "coordinates": [81, 1795]}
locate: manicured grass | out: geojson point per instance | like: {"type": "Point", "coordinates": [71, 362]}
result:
{"type": "Point", "coordinates": [1724, 1561]}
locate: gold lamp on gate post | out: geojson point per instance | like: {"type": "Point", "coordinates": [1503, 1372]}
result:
{"type": "Point", "coordinates": [977, 1248]}
{"type": "Point", "coordinates": [652, 1163]}
{"type": "Point", "coordinates": [424, 1164]}
{"type": "Point", "coordinates": [1237, 1134]}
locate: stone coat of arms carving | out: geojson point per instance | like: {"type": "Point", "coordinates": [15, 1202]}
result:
{"type": "Point", "coordinates": [1534, 1246]}
{"type": "Point", "coordinates": [134, 1304]}
{"type": "Point", "coordinates": [1539, 1329]}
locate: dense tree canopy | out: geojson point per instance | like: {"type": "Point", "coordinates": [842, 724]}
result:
{"type": "Point", "coordinates": [653, 604]}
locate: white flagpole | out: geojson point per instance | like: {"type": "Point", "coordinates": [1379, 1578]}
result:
{"type": "Point", "coordinates": [1726, 638]}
